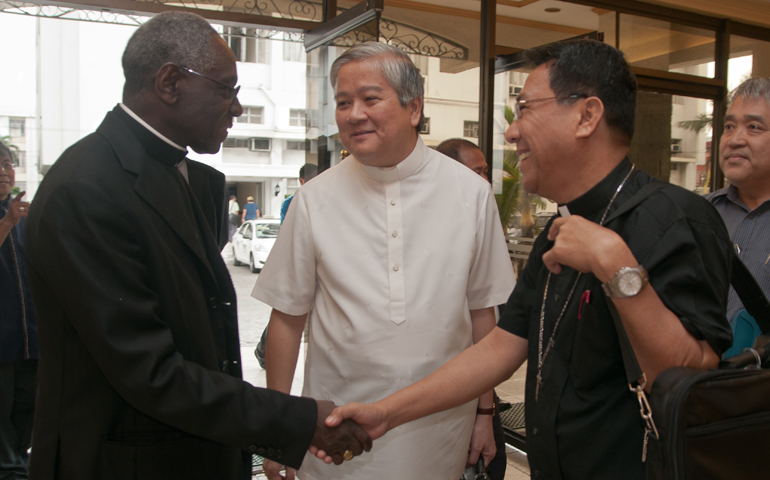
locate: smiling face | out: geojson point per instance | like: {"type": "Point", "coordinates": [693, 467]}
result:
{"type": "Point", "coordinates": [542, 136]}
{"type": "Point", "coordinates": [206, 111]}
{"type": "Point", "coordinates": [7, 176]}
{"type": "Point", "coordinates": [373, 125]}
{"type": "Point", "coordinates": [744, 152]}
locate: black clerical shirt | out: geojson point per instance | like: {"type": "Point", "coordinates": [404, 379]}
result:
{"type": "Point", "coordinates": [586, 423]}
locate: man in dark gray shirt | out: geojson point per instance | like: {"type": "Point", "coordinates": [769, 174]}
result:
{"type": "Point", "coordinates": [744, 155]}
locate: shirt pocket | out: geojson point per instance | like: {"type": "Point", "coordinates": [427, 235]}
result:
{"type": "Point", "coordinates": [596, 355]}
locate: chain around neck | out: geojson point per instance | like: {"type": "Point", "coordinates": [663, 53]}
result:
{"type": "Point", "coordinates": [542, 355]}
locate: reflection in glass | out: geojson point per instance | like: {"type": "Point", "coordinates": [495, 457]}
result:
{"type": "Point", "coordinates": [666, 46]}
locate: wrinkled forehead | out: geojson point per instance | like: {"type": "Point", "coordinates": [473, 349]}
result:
{"type": "Point", "coordinates": [759, 102]}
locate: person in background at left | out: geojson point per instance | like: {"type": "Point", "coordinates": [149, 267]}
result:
{"type": "Point", "coordinates": [18, 331]}
{"type": "Point", "coordinates": [233, 220]}
{"type": "Point", "coordinates": [467, 153]}
{"type": "Point", "coordinates": [250, 210]}
{"type": "Point", "coordinates": [306, 173]}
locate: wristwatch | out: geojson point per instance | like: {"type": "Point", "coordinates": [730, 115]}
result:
{"type": "Point", "coordinates": [627, 282]}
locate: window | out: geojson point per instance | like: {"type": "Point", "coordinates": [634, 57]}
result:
{"type": "Point", "coordinates": [676, 145]}
{"type": "Point", "coordinates": [293, 52]}
{"type": "Point", "coordinates": [259, 144]}
{"type": "Point", "coordinates": [246, 46]}
{"type": "Point", "coordinates": [253, 144]}
{"type": "Point", "coordinates": [252, 115]}
{"type": "Point", "coordinates": [236, 143]}
{"type": "Point", "coordinates": [16, 126]}
{"type": "Point", "coordinates": [425, 128]}
{"type": "Point", "coordinates": [263, 50]}
{"type": "Point", "coordinates": [471, 129]}
{"type": "Point", "coordinates": [296, 145]}
{"type": "Point", "coordinates": [296, 117]}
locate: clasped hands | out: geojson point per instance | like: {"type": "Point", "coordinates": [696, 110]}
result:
{"type": "Point", "coordinates": [331, 442]}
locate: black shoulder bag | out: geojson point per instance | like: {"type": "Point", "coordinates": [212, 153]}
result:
{"type": "Point", "coordinates": [712, 424]}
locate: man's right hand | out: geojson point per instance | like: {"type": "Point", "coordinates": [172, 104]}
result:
{"type": "Point", "coordinates": [329, 443]}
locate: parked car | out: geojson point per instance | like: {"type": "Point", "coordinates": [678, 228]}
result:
{"type": "Point", "coordinates": [253, 241]}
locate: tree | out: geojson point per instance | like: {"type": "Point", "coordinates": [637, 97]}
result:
{"type": "Point", "coordinates": [515, 200]}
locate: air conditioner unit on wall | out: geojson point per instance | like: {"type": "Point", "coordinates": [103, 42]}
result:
{"type": "Point", "coordinates": [676, 148]}
{"type": "Point", "coordinates": [513, 90]}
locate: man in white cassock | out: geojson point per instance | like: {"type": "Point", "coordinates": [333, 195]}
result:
{"type": "Point", "coordinates": [396, 258]}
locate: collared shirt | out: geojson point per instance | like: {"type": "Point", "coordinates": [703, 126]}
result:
{"type": "Point", "coordinates": [389, 263]}
{"type": "Point", "coordinates": [750, 232]}
{"type": "Point", "coordinates": [18, 328]}
{"type": "Point", "coordinates": [586, 423]}
{"type": "Point", "coordinates": [182, 165]}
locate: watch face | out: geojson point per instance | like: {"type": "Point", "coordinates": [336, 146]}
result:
{"type": "Point", "coordinates": [630, 283]}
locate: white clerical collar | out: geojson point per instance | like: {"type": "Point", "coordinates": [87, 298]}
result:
{"type": "Point", "coordinates": [403, 169]}
{"type": "Point", "coordinates": [148, 127]}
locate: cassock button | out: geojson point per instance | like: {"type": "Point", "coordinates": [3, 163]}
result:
{"type": "Point", "coordinates": [534, 431]}
{"type": "Point", "coordinates": [224, 365]}
{"type": "Point", "coordinates": [261, 452]}
{"type": "Point", "coordinates": [252, 448]}
{"type": "Point", "coordinates": [270, 452]}
{"type": "Point", "coordinates": [213, 303]}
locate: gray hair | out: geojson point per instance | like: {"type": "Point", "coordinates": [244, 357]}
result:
{"type": "Point", "coordinates": [753, 89]}
{"type": "Point", "coordinates": [395, 66]}
{"type": "Point", "coordinates": [184, 39]}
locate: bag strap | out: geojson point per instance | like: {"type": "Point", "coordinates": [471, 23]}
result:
{"type": "Point", "coordinates": [635, 200]}
{"type": "Point", "coordinates": [744, 283]}
{"type": "Point", "coordinates": [750, 293]}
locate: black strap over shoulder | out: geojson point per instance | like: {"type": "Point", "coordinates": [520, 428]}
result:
{"type": "Point", "coordinates": [750, 293]}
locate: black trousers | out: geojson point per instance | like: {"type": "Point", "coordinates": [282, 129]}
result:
{"type": "Point", "coordinates": [18, 382]}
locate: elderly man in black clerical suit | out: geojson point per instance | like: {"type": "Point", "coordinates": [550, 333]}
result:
{"type": "Point", "coordinates": [140, 369]}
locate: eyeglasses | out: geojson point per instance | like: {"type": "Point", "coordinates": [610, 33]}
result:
{"type": "Point", "coordinates": [233, 90]}
{"type": "Point", "coordinates": [523, 103]}
{"type": "Point", "coordinates": [7, 166]}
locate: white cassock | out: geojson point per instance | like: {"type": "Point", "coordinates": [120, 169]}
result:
{"type": "Point", "coordinates": [389, 263]}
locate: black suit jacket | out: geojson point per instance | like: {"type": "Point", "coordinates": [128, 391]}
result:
{"type": "Point", "coordinates": [140, 371]}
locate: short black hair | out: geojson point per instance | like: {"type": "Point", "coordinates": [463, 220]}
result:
{"type": "Point", "coordinates": [308, 171]}
{"type": "Point", "coordinates": [592, 68]}
{"type": "Point", "coordinates": [453, 146]}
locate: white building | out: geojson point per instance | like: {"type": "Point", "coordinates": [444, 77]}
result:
{"type": "Point", "coordinates": [67, 75]}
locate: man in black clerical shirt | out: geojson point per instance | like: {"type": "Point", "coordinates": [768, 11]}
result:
{"type": "Point", "coordinates": [664, 264]}
{"type": "Point", "coordinates": [140, 373]}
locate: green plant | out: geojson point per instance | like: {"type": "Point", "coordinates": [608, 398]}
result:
{"type": "Point", "coordinates": [515, 200]}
